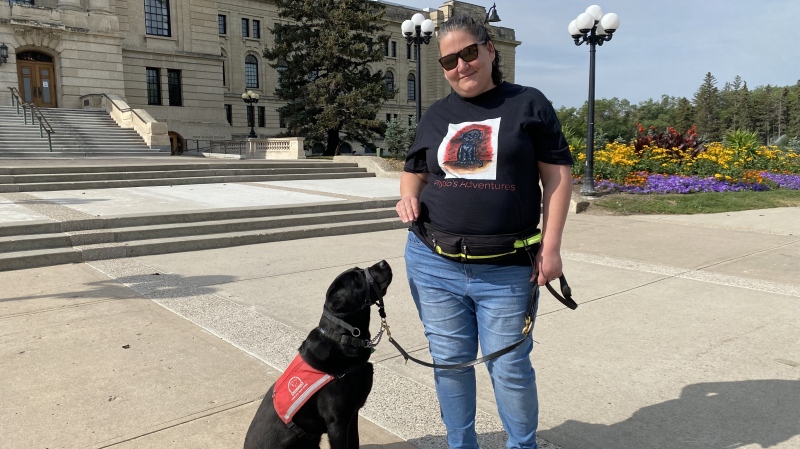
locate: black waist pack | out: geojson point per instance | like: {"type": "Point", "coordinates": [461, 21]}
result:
{"type": "Point", "coordinates": [473, 248]}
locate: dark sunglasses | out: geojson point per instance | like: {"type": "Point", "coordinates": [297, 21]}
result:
{"type": "Point", "coordinates": [468, 54]}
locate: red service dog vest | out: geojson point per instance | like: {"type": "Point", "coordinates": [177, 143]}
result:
{"type": "Point", "coordinates": [296, 386]}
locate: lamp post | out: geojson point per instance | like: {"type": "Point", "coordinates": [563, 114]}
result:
{"type": "Point", "coordinates": [418, 31]}
{"type": "Point", "coordinates": [491, 14]}
{"type": "Point", "coordinates": [251, 98]}
{"type": "Point", "coordinates": [3, 53]}
{"type": "Point", "coordinates": [593, 28]}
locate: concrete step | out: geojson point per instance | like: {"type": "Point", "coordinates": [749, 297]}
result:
{"type": "Point", "coordinates": [49, 186]}
{"type": "Point", "coordinates": [189, 164]}
{"type": "Point", "coordinates": [124, 175]}
{"type": "Point", "coordinates": [44, 244]}
{"type": "Point", "coordinates": [224, 240]}
{"type": "Point", "coordinates": [39, 258]}
{"type": "Point", "coordinates": [215, 227]}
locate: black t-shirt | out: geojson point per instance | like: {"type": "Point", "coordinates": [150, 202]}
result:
{"type": "Point", "coordinates": [481, 157]}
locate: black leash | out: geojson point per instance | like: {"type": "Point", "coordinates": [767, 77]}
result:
{"type": "Point", "coordinates": [530, 318]}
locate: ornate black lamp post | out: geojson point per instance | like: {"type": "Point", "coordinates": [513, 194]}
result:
{"type": "Point", "coordinates": [418, 31]}
{"type": "Point", "coordinates": [3, 53]}
{"type": "Point", "coordinates": [251, 98]}
{"type": "Point", "coordinates": [592, 28]}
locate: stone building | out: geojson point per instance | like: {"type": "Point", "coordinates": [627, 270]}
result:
{"type": "Point", "coordinates": [187, 62]}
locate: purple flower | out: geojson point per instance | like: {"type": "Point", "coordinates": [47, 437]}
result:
{"type": "Point", "coordinates": [663, 184]}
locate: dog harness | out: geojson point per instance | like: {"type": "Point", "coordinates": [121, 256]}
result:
{"type": "Point", "coordinates": [296, 386]}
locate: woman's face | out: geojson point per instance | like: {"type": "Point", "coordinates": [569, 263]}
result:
{"type": "Point", "coordinates": [473, 78]}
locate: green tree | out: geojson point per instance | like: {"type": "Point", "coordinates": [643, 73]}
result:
{"type": "Point", "coordinates": [793, 110]}
{"type": "Point", "coordinates": [706, 109]}
{"type": "Point", "coordinates": [395, 139]}
{"type": "Point", "coordinates": [743, 112]}
{"type": "Point", "coordinates": [323, 54]}
{"type": "Point", "coordinates": [684, 115]}
{"type": "Point", "coordinates": [658, 114]}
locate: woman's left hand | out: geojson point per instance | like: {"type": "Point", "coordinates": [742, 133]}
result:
{"type": "Point", "coordinates": [548, 266]}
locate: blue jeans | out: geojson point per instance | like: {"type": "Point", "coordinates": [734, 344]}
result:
{"type": "Point", "coordinates": [461, 305]}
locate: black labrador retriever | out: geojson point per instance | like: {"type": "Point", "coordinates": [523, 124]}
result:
{"type": "Point", "coordinates": [339, 350]}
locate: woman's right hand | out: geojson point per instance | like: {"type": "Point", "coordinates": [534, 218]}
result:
{"type": "Point", "coordinates": [408, 208]}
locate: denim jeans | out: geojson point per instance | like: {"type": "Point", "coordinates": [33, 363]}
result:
{"type": "Point", "coordinates": [461, 305]}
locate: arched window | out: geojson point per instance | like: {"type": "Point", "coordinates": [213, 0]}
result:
{"type": "Point", "coordinates": [251, 71]}
{"type": "Point", "coordinates": [412, 87]}
{"type": "Point", "coordinates": [388, 79]}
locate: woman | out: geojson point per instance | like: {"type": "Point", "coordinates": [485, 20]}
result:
{"type": "Point", "coordinates": [473, 175]}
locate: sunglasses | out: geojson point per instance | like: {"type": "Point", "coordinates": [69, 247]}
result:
{"type": "Point", "coordinates": [468, 54]}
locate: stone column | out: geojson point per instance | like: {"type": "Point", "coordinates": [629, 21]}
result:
{"type": "Point", "coordinates": [73, 5]}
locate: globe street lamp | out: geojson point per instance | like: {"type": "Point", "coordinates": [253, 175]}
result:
{"type": "Point", "coordinates": [251, 98]}
{"type": "Point", "coordinates": [593, 28]}
{"type": "Point", "coordinates": [418, 31]}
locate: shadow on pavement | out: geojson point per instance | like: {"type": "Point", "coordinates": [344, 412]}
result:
{"type": "Point", "coordinates": [153, 285]}
{"type": "Point", "coordinates": [712, 415]}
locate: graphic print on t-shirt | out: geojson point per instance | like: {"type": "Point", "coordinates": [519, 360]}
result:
{"type": "Point", "coordinates": [469, 150]}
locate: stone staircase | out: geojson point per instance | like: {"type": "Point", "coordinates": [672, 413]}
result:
{"type": "Point", "coordinates": [52, 243]}
{"type": "Point", "coordinates": [77, 132]}
{"type": "Point", "coordinates": [132, 174]}
{"type": "Point", "coordinates": [65, 238]}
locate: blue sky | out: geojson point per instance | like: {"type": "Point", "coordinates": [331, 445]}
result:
{"type": "Point", "coordinates": [661, 47]}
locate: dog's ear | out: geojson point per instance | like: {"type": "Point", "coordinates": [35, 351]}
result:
{"type": "Point", "coordinates": [346, 291]}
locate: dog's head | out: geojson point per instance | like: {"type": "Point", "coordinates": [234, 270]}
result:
{"type": "Point", "coordinates": [357, 289]}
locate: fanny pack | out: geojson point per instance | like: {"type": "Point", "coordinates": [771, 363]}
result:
{"type": "Point", "coordinates": [466, 248]}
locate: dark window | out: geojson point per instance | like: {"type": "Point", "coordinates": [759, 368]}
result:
{"type": "Point", "coordinates": [389, 80]}
{"type": "Point", "coordinates": [229, 114]}
{"type": "Point", "coordinates": [388, 118]}
{"type": "Point", "coordinates": [262, 120]}
{"type": "Point", "coordinates": [245, 27]}
{"type": "Point", "coordinates": [256, 29]}
{"type": "Point", "coordinates": [415, 52]}
{"type": "Point", "coordinates": [251, 71]}
{"type": "Point", "coordinates": [222, 21]}
{"type": "Point", "coordinates": [410, 118]}
{"type": "Point", "coordinates": [281, 122]}
{"type": "Point", "coordinates": [153, 86]}
{"type": "Point", "coordinates": [174, 87]}
{"type": "Point", "coordinates": [394, 49]}
{"type": "Point", "coordinates": [408, 51]}
{"type": "Point", "coordinates": [282, 67]}
{"type": "Point", "coordinates": [156, 17]}
{"type": "Point", "coordinates": [386, 48]}
{"type": "Point", "coordinates": [412, 87]}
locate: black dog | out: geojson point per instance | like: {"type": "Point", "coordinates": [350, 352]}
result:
{"type": "Point", "coordinates": [339, 347]}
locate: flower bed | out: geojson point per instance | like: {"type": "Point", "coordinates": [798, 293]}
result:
{"type": "Point", "coordinates": [645, 167]}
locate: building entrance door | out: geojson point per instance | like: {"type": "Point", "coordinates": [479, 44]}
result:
{"type": "Point", "coordinates": [36, 79]}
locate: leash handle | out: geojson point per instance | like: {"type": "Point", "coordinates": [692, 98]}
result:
{"type": "Point", "coordinates": [566, 291]}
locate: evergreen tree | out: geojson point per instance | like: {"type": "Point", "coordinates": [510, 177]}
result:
{"type": "Point", "coordinates": [793, 110]}
{"type": "Point", "coordinates": [781, 112]}
{"type": "Point", "coordinates": [324, 55]}
{"type": "Point", "coordinates": [684, 115]}
{"type": "Point", "coordinates": [763, 115]}
{"type": "Point", "coordinates": [395, 139]}
{"type": "Point", "coordinates": [743, 112]}
{"type": "Point", "coordinates": [706, 106]}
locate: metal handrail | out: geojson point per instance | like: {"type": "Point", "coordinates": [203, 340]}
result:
{"type": "Point", "coordinates": [128, 109]}
{"type": "Point", "coordinates": [16, 99]}
{"type": "Point", "coordinates": [44, 125]}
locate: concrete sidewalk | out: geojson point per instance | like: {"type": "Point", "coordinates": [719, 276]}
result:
{"type": "Point", "coordinates": [686, 337]}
